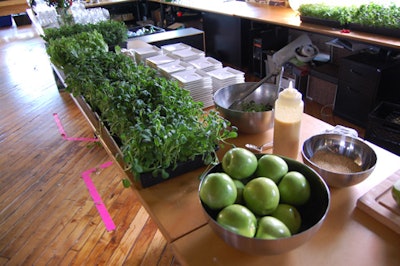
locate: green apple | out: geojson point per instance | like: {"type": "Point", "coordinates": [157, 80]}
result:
{"type": "Point", "coordinates": [289, 215]}
{"type": "Point", "coordinates": [271, 228]}
{"type": "Point", "coordinates": [239, 187]}
{"type": "Point", "coordinates": [396, 192]}
{"type": "Point", "coordinates": [238, 219]}
{"type": "Point", "coordinates": [294, 189]}
{"type": "Point", "coordinates": [218, 191]}
{"type": "Point", "coordinates": [271, 166]}
{"type": "Point", "coordinates": [239, 163]}
{"type": "Point", "coordinates": [261, 195]}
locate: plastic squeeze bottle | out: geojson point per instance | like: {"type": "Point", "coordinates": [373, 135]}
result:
{"type": "Point", "coordinates": [288, 112]}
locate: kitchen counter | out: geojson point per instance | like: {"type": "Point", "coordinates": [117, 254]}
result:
{"type": "Point", "coordinates": [282, 16]}
{"type": "Point", "coordinates": [348, 236]}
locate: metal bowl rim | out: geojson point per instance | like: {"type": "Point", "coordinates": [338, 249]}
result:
{"type": "Point", "coordinates": [294, 236]}
{"type": "Point", "coordinates": [233, 110]}
{"type": "Point", "coordinates": [360, 140]}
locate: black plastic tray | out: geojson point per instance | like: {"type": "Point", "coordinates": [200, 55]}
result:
{"type": "Point", "coordinates": [325, 22]}
{"type": "Point", "coordinates": [147, 179]}
{"type": "Point", "coordinates": [376, 30]}
{"type": "Point", "coordinates": [147, 30]}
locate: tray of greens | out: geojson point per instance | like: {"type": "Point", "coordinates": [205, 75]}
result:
{"type": "Point", "coordinates": [158, 123]}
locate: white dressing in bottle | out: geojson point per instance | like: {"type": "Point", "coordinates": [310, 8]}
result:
{"type": "Point", "coordinates": [288, 113]}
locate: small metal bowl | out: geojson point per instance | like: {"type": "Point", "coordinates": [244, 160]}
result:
{"type": "Point", "coordinates": [333, 145]}
{"type": "Point", "coordinates": [247, 122]}
{"type": "Point", "coordinates": [313, 214]}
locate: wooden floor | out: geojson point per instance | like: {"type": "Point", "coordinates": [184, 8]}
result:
{"type": "Point", "coordinates": [47, 216]}
{"type": "Point", "coordinates": [325, 113]}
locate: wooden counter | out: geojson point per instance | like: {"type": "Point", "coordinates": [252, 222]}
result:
{"type": "Point", "coordinates": [282, 16]}
{"type": "Point", "coordinates": [10, 7]}
{"type": "Point", "coordinates": [347, 236]}
{"type": "Point", "coordinates": [174, 204]}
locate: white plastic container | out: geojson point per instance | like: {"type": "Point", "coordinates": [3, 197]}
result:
{"type": "Point", "coordinates": [288, 113]}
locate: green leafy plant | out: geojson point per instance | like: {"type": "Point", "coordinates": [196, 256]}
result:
{"type": "Point", "coordinates": [113, 32]}
{"type": "Point", "coordinates": [158, 123]}
{"type": "Point", "coordinates": [324, 11]}
{"type": "Point", "coordinates": [67, 52]}
{"type": "Point", "coordinates": [376, 15]}
{"type": "Point", "coordinates": [371, 14]}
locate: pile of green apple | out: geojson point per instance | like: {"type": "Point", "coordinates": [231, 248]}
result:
{"type": "Point", "coordinates": [256, 197]}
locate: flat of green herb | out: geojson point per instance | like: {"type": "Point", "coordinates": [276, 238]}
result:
{"type": "Point", "coordinates": [158, 123]}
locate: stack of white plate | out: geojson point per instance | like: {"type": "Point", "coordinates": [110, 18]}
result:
{"type": "Point", "coordinates": [141, 53]}
{"type": "Point", "coordinates": [198, 83]}
{"type": "Point", "coordinates": [159, 59]}
{"type": "Point", "coordinates": [188, 54]}
{"type": "Point", "coordinates": [169, 68]}
{"type": "Point", "coordinates": [169, 48]}
{"type": "Point", "coordinates": [206, 63]}
{"type": "Point", "coordinates": [224, 77]}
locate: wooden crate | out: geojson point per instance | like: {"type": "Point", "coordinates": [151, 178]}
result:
{"type": "Point", "coordinates": [321, 91]}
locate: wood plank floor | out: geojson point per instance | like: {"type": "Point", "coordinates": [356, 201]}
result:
{"type": "Point", "coordinates": [47, 216]}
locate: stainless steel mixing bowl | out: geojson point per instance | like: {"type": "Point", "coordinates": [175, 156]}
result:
{"type": "Point", "coordinates": [247, 122]}
{"type": "Point", "coordinates": [313, 214]}
{"type": "Point", "coordinates": [351, 147]}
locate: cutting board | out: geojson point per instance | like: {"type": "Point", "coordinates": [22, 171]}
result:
{"type": "Point", "coordinates": [379, 203]}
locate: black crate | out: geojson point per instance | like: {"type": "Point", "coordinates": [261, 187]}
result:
{"type": "Point", "coordinates": [22, 19]}
{"type": "Point", "coordinates": [384, 126]}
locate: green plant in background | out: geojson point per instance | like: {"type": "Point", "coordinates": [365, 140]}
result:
{"type": "Point", "coordinates": [158, 124]}
{"type": "Point", "coordinates": [113, 32]}
{"type": "Point", "coordinates": [324, 11]}
{"type": "Point", "coordinates": [68, 52]}
{"type": "Point", "coordinates": [371, 14]}
{"type": "Point", "coordinates": [376, 15]}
